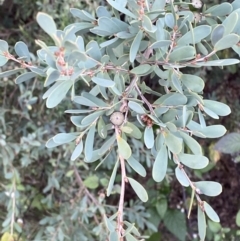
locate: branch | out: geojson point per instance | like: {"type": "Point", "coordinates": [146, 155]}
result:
{"type": "Point", "coordinates": [173, 43]}
{"type": "Point", "coordinates": [122, 194]}
{"type": "Point", "coordinates": [144, 99]}
{"type": "Point", "coordinates": [81, 184]}
{"type": "Point", "coordinates": [190, 182]}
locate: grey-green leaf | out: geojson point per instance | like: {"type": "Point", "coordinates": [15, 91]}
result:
{"type": "Point", "coordinates": [113, 236]}
{"type": "Point", "coordinates": [199, 33]}
{"type": "Point", "coordinates": [58, 94]}
{"type": "Point", "coordinates": [172, 99]}
{"type": "Point", "coordinates": [89, 143]}
{"type": "Point", "coordinates": [226, 42]}
{"type": "Point", "coordinates": [192, 82]}
{"type": "Point", "coordinates": [160, 44]}
{"type": "Point", "coordinates": [24, 77]}
{"type": "Point", "coordinates": [182, 53]}
{"type": "Point", "coordinates": [218, 62]}
{"type": "Point", "coordinates": [219, 108]}
{"type": "Point", "coordinates": [136, 133]}
{"type": "Point", "coordinates": [47, 23]}
{"type": "Point", "coordinates": [181, 177]}
{"type": "Point", "coordinates": [139, 189]}
{"type": "Point", "coordinates": [84, 101]}
{"type": "Point", "coordinates": [63, 138]}
{"type": "Point", "coordinates": [202, 226]}
{"type": "Point", "coordinates": [209, 188]}
{"type": "Point", "coordinates": [10, 72]}
{"type": "Point", "coordinates": [193, 161]}
{"type": "Point", "coordinates": [238, 218]}
{"type": "Point", "coordinates": [191, 143]}
{"type": "Point", "coordinates": [92, 117]}
{"type": "Point", "coordinates": [160, 165]}
{"type": "Point", "coordinates": [107, 145]}
{"type": "Point", "coordinates": [120, 7]}
{"type": "Point", "coordinates": [112, 179]}
{"type": "Point", "coordinates": [137, 166]}
{"type": "Point", "coordinates": [103, 82]}
{"type": "Point", "coordinates": [77, 151]}
{"type": "Point", "coordinates": [141, 69]}
{"type": "Point", "coordinates": [220, 10]}
{"type": "Point", "coordinates": [102, 130]}
{"type": "Point", "coordinates": [176, 82]}
{"type": "Point", "coordinates": [217, 33]}
{"type": "Point", "coordinates": [173, 142]}
{"type": "Point", "coordinates": [149, 137]}
{"type": "Point", "coordinates": [135, 46]}
{"type": "Point", "coordinates": [210, 212]}
{"type": "Point", "coordinates": [3, 46]}
{"type": "Point", "coordinates": [21, 50]}
{"type": "Point", "coordinates": [136, 107]}
{"type": "Point", "coordinates": [147, 23]}
{"type": "Point", "coordinates": [124, 148]}
{"type": "Point", "coordinates": [214, 131]}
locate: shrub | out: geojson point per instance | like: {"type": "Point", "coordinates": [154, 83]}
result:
{"type": "Point", "coordinates": [122, 120]}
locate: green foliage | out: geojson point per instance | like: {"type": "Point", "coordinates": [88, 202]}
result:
{"type": "Point", "coordinates": [114, 123]}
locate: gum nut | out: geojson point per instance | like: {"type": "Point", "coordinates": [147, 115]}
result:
{"type": "Point", "coordinates": [117, 118]}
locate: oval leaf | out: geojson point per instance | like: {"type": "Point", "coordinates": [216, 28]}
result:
{"type": "Point", "coordinates": [182, 53]}
{"type": "Point", "coordinates": [137, 166]}
{"type": "Point", "coordinates": [141, 69]}
{"type": "Point", "coordinates": [21, 50]}
{"type": "Point", "coordinates": [123, 148]}
{"type": "Point", "coordinates": [193, 161]}
{"type": "Point", "coordinates": [226, 42]}
{"type": "Point", "coordinates": [173, 143]}
{"type": "Point", "coordinates": [92, 117]}
{"type": "Point", "coordinates": [136, 133]}
{"type": "Point", "coordinates": [192, 82]}
{"type": "Point", "coordinates": [211, 213]}
{"type": "Point", "coordinates": [112, 179]}
{"type": "Point", "coordinates": [219, 108]}
{"type": "Point", "coordinates": [202, 226]}
{"type": "Point", "coordinates": [63, 138]}
{"type": "Point", "coordinates": [136, 107]}
{"type": "Point", "coordinates": [47, 23]}
{"type": "Point", "coordinates": [217, 34]}
{"type": "Point", "coordinates": [139, 189]}
{"type": "Point", "coordinates": [103, 82]}
{"type": "Point", "coordinates": [149, 137]}
{"type": "Point", "coordinates": [219, 62]}
{"type": "Point", "coordinates": [135, 46]}
{"type": "Point", "coordinates": [89, 143]}
{"type": "Point", "coordinates": [160, 165]}
{"type": "Point", "coordinates": [209, 188]}
{"type": "Point", "coordinates": [191, 143]}
{"type": "Point", "coordinates": [58, 94]}
{"type": "Point", "coordinates": [181, 177]}
{"type": "Point", "coordinates": [24, 77]}
{"type": "Point", "coordinates": [77, 151]}
{"type": "Point", "coordinates": [199, 33]}
{"type": "Point", "coordinates": [214, 131]}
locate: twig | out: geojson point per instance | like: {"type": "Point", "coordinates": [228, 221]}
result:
{"type": "Point", "coordinates": [122, 194]}
{"type": "Point", "coordinates": [172, 44]}
{"type": "Point", "coordinates": [144, 99]}
{"type": "Point", "coordinates": [81, 184]}
{"type": "Point", "coordinates": [131, 85]}
{"type": "Point", "coordinates": [190, 182]}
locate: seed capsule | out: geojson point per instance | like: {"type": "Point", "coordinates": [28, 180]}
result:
{"type": "Point", "coordinates": [117, 118]}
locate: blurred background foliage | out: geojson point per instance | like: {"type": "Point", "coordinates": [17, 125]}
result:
{"type": "Point", "coordinates": [46, 189]}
